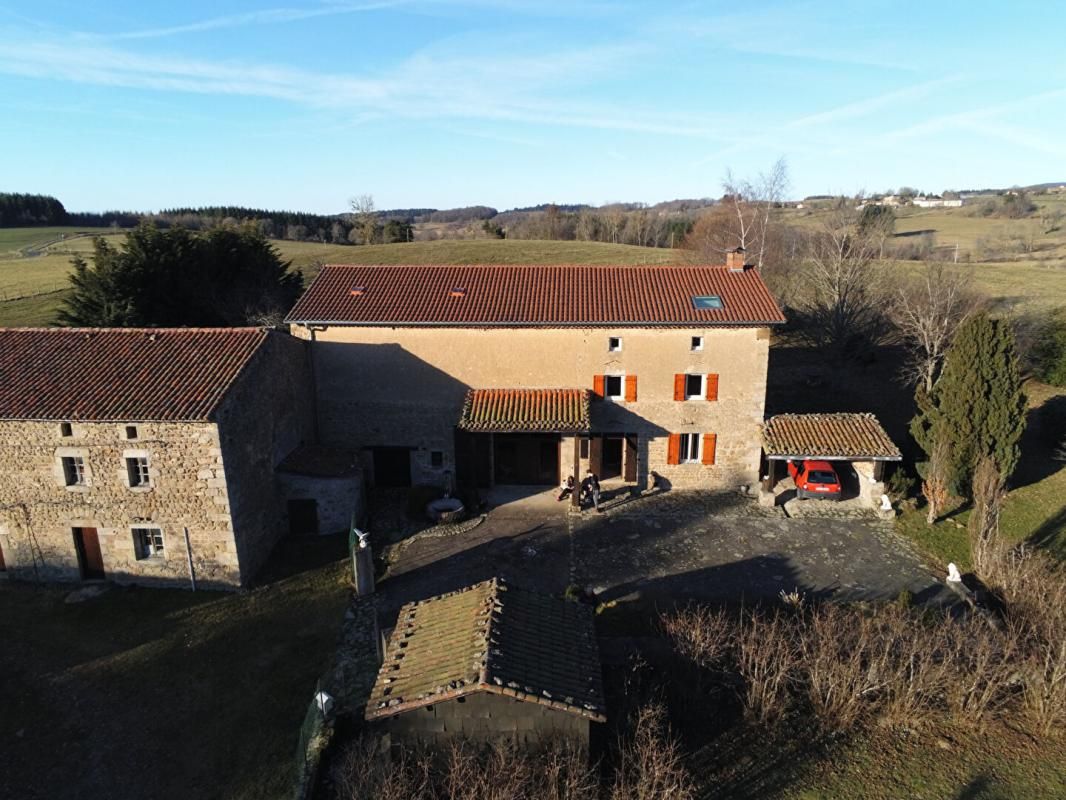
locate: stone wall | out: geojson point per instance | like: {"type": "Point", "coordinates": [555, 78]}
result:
{"type": "Point", "coordinates": [405, 387]}
{"type": "Point", "coordinates": [188, 490]}
{"type": "Point", "coordinates": [486, 717]}
{"type": "Point", "coordinates": [266, 414]}
{"type": "Point", "coordinates": [337, 498]}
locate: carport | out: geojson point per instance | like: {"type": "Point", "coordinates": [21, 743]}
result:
{"type": "Point", "coordinates": [858, 440]}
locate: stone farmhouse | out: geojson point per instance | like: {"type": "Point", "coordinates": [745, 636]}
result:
{"type": "Point", "coordinates": [146, 455]}
{"type": "Point", "coordinates": [487, 662]}
{"type": "Point", "coordinates": [487, 375]}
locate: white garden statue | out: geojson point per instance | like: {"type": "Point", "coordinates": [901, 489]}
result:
{"type": "Point", "coordinates": [953, 574]}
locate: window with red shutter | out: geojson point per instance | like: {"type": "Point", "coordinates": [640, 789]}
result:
{"type": "Point", "coordinates": [598, 386]}
{"type": "Point", "coordinates": [679, 387]}
{"type": "Point", "coordinates": [673, 449]}
{"type": "Point", "coordinates": [712, 387]}
{"type": "Point", "coordinates": [710, 443]}
{"type": "Point", "coordinates": [631, 388]}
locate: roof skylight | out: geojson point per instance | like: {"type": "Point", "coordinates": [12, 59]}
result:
{"type": "Point", "coordinates": [708, 301]}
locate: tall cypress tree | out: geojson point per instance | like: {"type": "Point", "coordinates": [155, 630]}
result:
{"type": "Point", "coordinates": [977, 405]}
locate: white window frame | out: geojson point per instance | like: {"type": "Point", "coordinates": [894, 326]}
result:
{"type": "Point", "coordinates": [696, 344]}
{"type": "Point", "coordinates": [614, 344]}
{"type": "Point", "coordinates": [143, 471]}
{"type": "Point", "coordinates": [691, 445]}
{"type": "Point", "coordinates": [147, 548]}
{"type": "Point", "coordinates": [77, 470]}
{"type": "Point", "coordinates": [615, 398]}
{"type": "Point", "coordinates": [702, 394]}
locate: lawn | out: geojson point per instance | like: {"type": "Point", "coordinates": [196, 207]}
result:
{"type": "Point", "coordinates": [164, 693]}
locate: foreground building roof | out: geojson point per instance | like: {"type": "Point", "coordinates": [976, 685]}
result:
{"type": "Point", "coordinates": [526, 411]}
{"type": "Point", "coordinates": [120, 374]}
{"type": "Point", "coordinates": [491, 637]}
{"type": "Point", "coordinates": [839, 436]}
{"type": "Point", "coordinates": [536, 296]}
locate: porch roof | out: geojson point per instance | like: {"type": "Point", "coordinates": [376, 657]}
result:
{"type": "Point", "coordinates": [829, 436]}
{"type": "Point", "coordinates": [526, 411]}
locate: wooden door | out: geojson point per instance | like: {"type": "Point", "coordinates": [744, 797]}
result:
{"type": "Point", "coordinates": [91, 560]}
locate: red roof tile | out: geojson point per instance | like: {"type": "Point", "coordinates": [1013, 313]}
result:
{"type": "Point", "coordinates": [120, 374]}
{"type": "Point", "coordinates": [526, 410]}
{"type": "Point", "coordinates": [828, 436]}
{"type": "Point", "coordinates": [534, 296]}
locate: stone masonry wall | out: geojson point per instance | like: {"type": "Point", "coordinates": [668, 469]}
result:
{"type": "Point", "coordinates": [487, 717]}
{"type": "Point", "coordinates": [405, 387]}
{"type": "Point", "coordinates": [188, 489]}
{"type": "Point", "coordinates": [267, 413]}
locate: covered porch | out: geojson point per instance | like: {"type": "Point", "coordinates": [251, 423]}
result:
{"type": "Point", "coordinates": [521, 437]}
{"type": "Point", "coordinates": [855, 445]}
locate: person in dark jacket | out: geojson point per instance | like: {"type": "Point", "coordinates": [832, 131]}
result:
{"type": "Point", "coordinates": [590, 489]}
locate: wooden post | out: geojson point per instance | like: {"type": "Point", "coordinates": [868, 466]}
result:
{"type": "Point", "coordinates": [575, 495]}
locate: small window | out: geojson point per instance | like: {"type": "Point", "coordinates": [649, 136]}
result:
{"type": "Point", "coordinates": [693, 387]}
{"type": "Point", "coordinates": [697, 343]}
{"type": "Point", "coordinates": [148, 542]}
{"type": "Point", "coordinates": [436, 458]}
{"type": "Point", "coordinates": [612, 386]}
{"type": "Point", "coordinates": [137, 470]}
{"type": "Point", "coordinates": [74, 470]}
{"type": "Point", "coordinates": [65, 429]}
{"type": "Point", "coordinates": [707, 301]}
{"type": "Point", "coordinates": [584, 452]}
{"type": "Point", "coordinates": [690, 448]}
{"type": "Point", "coordinates": [614, 344]}
{"type": "Point", "coordinates": [131, 431]}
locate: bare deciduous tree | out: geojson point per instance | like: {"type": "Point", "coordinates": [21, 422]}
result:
{"type": "Point", "coordinates": [366, 218]}
{"type": "Point", "coordinates": [927, 309]}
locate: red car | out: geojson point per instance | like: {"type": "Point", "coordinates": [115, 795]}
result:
{"type": "Point", "coordinates": [815, 479]}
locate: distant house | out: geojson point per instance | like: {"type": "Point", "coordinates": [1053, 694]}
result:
{"type": "Point", "coordinates": [149, 455]}
{"type": "Point", "coordinates": [490, 662]}
{"type": "Point", "coordinates": [525, 374]}
{"type": "Point", "coordinates": [935, 201]}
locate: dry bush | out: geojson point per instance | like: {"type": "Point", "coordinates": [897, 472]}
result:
{"type": "Point", "coordinates": [766, 657]}
{"type": "Point", "coordinates": [650, 764]}
{"type": "Point", "coordinates": [465, 771]}
{"type": "Point", "coordinates": [836, 666]}
{"type": "Point", "coordinates": [703, 635]}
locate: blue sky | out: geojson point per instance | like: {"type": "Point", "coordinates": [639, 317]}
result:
{"type": "Point", "coordinates": [456, 102]}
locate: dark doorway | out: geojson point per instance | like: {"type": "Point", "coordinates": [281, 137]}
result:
{"type": "Point", "coordinates": [392, 466]}
{"type": "Point", "coordinates": [611, 457]}
{"type": "Point", "coordinates": [526, 459]}
{"type": "Point", "coordinates": [303, 517]}
{"type": "Point", "coordinates": [473, 459]}
{"type": "Point", "coordinates": [90, 559]}
{"type": "Point", "coordinates": [631, 459]}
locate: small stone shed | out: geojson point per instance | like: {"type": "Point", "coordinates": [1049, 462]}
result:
{"type": "Point", "coordinates": [322, 489]}
{"type": "Point", "coordinates": [856, 439]}
{"type": "Point", "coordinates": [490, 662]}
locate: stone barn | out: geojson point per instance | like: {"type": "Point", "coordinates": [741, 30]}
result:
{"type": "Point", "coordinates": [490, 662]}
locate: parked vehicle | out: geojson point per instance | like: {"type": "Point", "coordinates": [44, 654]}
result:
{"type": "Point", "coordinates": [815, 479]}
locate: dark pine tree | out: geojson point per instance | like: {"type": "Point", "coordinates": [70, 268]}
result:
{"type": "Point", "coordinates": [977, 406]}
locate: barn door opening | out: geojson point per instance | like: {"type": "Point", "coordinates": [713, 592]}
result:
{"type": "Point", "coordinates": [90, 559]}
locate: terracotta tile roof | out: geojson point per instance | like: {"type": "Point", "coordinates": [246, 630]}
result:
{"type": "Point", "coordinates": [526, 411]}
{"type": "Point", "coordinates": [534, 296]}
{"type": "Point", "coordinates": [491, 637]}
{"type": "Point", "coordinates": [120, 374]}
{"type": "Point", "coordinates": [827, 436]}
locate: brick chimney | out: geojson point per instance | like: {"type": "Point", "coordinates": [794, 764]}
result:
{"type": "Point", "coordinates": [734, 259]}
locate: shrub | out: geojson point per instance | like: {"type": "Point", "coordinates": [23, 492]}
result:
{"type": "Point", "coordinates": [1049, 350]}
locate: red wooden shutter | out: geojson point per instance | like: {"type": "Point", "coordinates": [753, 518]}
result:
{"type": "Point", "coordinates": [598, 386]}
{"type": "Point", "coordinates": [631, 388]}
{"type": "Point", "coordinates": [710, 442]}
{"type": "Point", "coordinates": [712, 387]}
{"type": "Point", "coordinates": [673, 449]}
{"type": "Point", "coordinates": [679, 387]}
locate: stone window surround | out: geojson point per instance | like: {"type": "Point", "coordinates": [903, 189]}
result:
{"type": "Point", "coordinates": [691, 446]}
{"type": "Point", "coordinates": [614, 398]}
{"type": "Point", "coordinates": [140, 544]}
{"type": "Point", "coordinates": [701, 394]}
{"type": "Point", "coordinates": [131, 454]}
{"type": "Point", "coordinates": [614, 344]}
{"type": "Point", "coordinates": [60, 472]}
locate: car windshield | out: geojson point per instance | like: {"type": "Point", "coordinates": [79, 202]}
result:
{"type": "Point", "coordinates": [818, 476]}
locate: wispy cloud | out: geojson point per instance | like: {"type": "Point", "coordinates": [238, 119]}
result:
{"type": "Point", "coordinates": [429, 84]}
